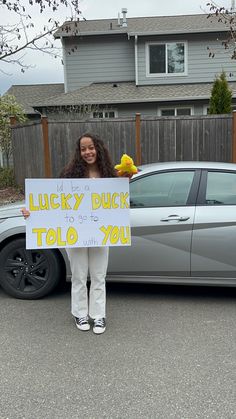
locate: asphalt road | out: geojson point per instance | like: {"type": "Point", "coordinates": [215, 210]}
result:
{"type": "Point", "coordinates": [168, 352]}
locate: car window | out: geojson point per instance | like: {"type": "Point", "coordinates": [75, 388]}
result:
{"type": "Point", "coordinates": [221, 188]}
{"type": "Point", "coordinates": [161, 189]}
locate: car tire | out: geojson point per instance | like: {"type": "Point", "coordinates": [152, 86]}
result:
{"type": "Point", "coordinates": [28, 274]}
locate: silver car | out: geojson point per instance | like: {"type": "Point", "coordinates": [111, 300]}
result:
{"type": "Point", "coordinates": [183, 225]}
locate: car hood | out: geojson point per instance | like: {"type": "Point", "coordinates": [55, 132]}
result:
{"type": "Point", "coordinates": [11, 210]}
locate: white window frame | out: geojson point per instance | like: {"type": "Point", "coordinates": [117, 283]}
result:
{"type": "Point", "coordinates": [175, 109]}
{"type": "Point", "coordinates": [147, 58]}
{"type": "Point", "coordinates": [104, 110]}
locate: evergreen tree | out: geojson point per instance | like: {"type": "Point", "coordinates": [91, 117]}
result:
{"type": "Point", "coordinates": [221, 96]}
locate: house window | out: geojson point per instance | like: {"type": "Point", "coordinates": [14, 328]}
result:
{"type": "Point", "coordinates": [104, 114]}
{"type": "Point", "coordinates": [175, 111]}
{"type": "Point", "coordinates": [166, 59]}
{"type": "Point", "coordinates": [205, 110]}
{"type": "Point", "coordinates": [167, 112]}
{"type": "Point", "coordinates": [183, 111]}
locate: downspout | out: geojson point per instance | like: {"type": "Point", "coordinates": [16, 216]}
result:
{"type": "Point", "coordinates": [136, 59]}
{"type": "Point", "coordinates": [64, 65]}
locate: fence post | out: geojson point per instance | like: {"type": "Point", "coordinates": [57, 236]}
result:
{"type": "Point", "coordinates": [234, 138]}
{"type": "Point", "coordinates": [137, 139]}
{"type": "Point", "coordinates": [47, 160]}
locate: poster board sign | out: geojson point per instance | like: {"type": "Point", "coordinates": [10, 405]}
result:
{"type": "Point", "coordinates": [77, 213]}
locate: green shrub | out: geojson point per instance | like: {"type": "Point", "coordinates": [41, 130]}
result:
{"type": "Point", "coordinates": [6, 177]}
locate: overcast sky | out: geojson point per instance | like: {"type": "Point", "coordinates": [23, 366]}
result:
{"type": "Point", "coordinates": [47, 69]}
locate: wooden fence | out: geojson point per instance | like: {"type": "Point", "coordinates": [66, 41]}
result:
{"type": "Point", "coordinates": [41, 149]}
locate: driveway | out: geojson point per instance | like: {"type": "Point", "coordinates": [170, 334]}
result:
{"type": "Point", "coordinates": [168, 352]}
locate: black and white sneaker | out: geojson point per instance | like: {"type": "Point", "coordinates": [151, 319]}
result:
{"type": "Point", "coordinates": [82, 323]}
{"type": "Point", "coordinates": [99, 326]}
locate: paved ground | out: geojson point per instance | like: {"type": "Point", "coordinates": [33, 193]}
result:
{"type": "Point", "coordinates": [167, 353]}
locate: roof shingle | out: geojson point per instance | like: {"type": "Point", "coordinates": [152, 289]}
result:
{"type": "Point", "coordinates": [128, 92]}
{"type": "Point", "coordinates": [157, 25]}
{"type": "Point", "coordinates": [28, 94]}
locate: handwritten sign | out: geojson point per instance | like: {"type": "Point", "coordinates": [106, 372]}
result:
{"type": "Point", "coordinates": [77, 213]}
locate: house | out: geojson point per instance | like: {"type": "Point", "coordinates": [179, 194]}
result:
{"type": "Point", "coordinates": [156, 66]}
{"type": "Point", "coordinates": [29, 94]}
{"type": "Point", "coordinates": [152, 65]}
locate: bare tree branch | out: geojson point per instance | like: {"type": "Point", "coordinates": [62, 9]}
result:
{"type": "Point", "coordinates": [22, 35]}
{"type": "Point", "coordinates": [228, 18]}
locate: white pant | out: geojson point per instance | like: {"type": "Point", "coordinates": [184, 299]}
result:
{"type": "Point", "coordinates": [92, 260]}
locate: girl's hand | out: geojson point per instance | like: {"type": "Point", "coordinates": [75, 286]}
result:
{"type": "Point", "coordinates": [125, 174]}
{"type": "Point", "coordinates": [25, 213]}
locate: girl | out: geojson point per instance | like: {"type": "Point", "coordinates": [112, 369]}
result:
{"type": "Point", "coordinates": [91, 160]}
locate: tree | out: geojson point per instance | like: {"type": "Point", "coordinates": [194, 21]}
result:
{"type": "Point", "coordinates": [228, 18]}
{"type": "Point", "coordinates": [221, 96]}
{"type": "Point", "coordinates": [16, 38]}
{"type": "Point", "coordinates": [8, 107]}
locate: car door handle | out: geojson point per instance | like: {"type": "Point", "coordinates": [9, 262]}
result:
{"type": "Point", "coordinates": [175, 217]}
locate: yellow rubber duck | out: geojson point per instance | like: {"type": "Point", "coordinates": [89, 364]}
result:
{"type": "Point", "coordinates": [126, 166]}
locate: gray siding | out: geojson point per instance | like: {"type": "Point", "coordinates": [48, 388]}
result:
{"type": "Point", "coordinates": [98, 59]}
{"type": "Point", "coordinates": [151, 109]}
{"type": "Point", "coordinates": [111, 59]}
{"type": "Point", "coordinates": [200, 67]}
{"type": "Point", "coordinates": [129, 110]}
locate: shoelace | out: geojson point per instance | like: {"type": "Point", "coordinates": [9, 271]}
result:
{"type": "Point", "coordinates": [82, 320]}
{"type": "Point", "coordinates": [99, 323]}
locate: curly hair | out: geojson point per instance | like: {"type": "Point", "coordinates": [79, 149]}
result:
{"type": "Point", "coordinates": [78, 168]}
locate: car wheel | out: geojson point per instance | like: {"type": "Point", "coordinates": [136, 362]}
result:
{"type": "Point", "coordinates": [28, 274]}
